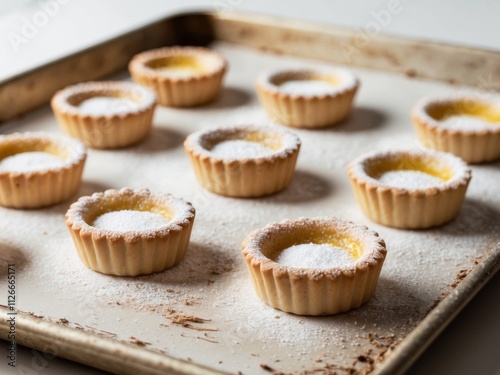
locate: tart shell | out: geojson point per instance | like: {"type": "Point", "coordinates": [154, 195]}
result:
{"type": "Point", "coordinates": [306, 111]}
{"type": "Point", "coordinates": [105, 131]}
{"type": "Point", "coordinates": [473, 146]}
{"type": "Point", "coordinates": [409, 208]}
{"type": "Point", "coordinates": [191, 91]}
{"type": "Point", "coordinates": [41, 188]}
{"type": "Point", "coordinates": [309, 291]}
{"type": "Point", "coordinates": [135, 252]}
{"type": "Point", "coordinates": [251, 177]}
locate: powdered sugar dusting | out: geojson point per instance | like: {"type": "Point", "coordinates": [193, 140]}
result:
{"type": "Point", "coordinates": [306, 87]}
{"type": "Point", "coordinates": [409, 179]}
{"type": "Point", "coordinates": [30, 162]}
{"type": "Point", "coordinates": [240, 149]}
{"type": "Point", "coordinates": [130, 220]}
{"type": "Point", "coordinates": [467, 123]}
{"type": "Point", "coordinates": [102, 105]}
{"type": "Point", "coordinates": [312, 255]}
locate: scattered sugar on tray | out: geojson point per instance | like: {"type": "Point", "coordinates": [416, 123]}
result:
{"type": "Point", "coordinates": [36, 161]}
{"type": "Point", "coordinates": [467, 123]}
{"type": "Point", "coordinates": [310, 255]}
{"type": "Point", "coordinates": [102, 105]}
{"type": "Point", "coordinates": [130, 220]}
{"type": "Point", "coordinates": [240, 149]}
{"type": "Point", "coordinates": [408, 179]}
{"type": "Point", "coordinates": [307, 87]}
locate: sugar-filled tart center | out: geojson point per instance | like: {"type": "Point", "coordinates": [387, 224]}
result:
{"type": "Point", "coordinates": [33, 155]}
{"type": "Point", "coordinates": [306, 83]}
{"type": "Point", "coordinates": [408, 171]}
{"type": "Point", "coordinates": [241, 144]}
{"type": "Point", "coordinates": [104, 102]}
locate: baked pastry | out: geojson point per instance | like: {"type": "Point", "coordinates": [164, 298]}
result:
{"type": "Point", "coordinates": [130, 232]}
{"type": "Point", "coordinates": [243, 161]}
{"type": "Point", "coordinates": [307, 98]}
{"type": "Point", "coordinates": [180, 76]}
{"type": "Point", "coordinates": [314, 266]}
{"type": "Point", "coordinates": [39, 169]}
{"type": "Point", "coordinates": [409, 189]}
{"type": "Point", "coordinates": [465, 125]}
{"type": "Point", "coordinates": [105, 114]}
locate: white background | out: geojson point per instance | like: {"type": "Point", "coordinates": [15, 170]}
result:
{"type": "Point", "coordinates": [470, 345]}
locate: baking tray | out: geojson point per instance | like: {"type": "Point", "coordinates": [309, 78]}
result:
{"type": "Point", "coordinates": [127, 325]}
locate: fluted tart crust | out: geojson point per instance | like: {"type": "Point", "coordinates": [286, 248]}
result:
{"type": "Point", "coordinates": [307, 98]}
{"type": "Point", "coordinates": [267, 169]}
{"type": "Point", "coordinates": [180, 76]}
{"type": "Point", "coordinates": [22, 186]}
{"type": "Point", "coordinates": [409, 189]}
{"type": "Point", "coordinates": [131, 252]}
{"type": "Point", "coordinates": [465, 125]}
{"type": "Point", "coordinates": [105, 115]}
{"type": "Point", "coordinates": [314, 291]}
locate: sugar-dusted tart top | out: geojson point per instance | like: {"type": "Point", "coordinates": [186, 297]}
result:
{"type": "Point", "coordinates": [178, 63]}
{"type": "Point", "coordinates": [411, 170]}
{"type": "Point", "coordinates": [247, 142]}
{"type": "Point", "coordinates": [300, 82]}
{"type": "Point", "coordinates": [314, 246]}
{"type": "Point", "coordinates": [104, 99]}
{"type": "Point", "coordinates": [129, 213]}
{"type": "Point", "coordinates": [39, 152]}
{"type": "Point", "coordinates": [465, 113]}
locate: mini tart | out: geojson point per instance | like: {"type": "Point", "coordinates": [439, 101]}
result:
{"type": "Point", "coordinates": [311, 291]}
{"type": "Point", "coordinates": [247, 176]}
{"type": "Point", "coordinates": [318, 109]}
{"type": "Point", "coordinates": [473, 142]}
{"type": "Point", "coordinates": [180, 76]}
{"type": "Point", "coordinates": [411, 207]}
{"type": "Point", "coordinates": [44, 187]}
{"type": "Point", "coordinates": [130, 253]}
{"type": "Point", "coordinates": [122, 123]}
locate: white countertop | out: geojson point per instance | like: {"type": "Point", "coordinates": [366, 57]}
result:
{"type": "Point", "coordinates": [470, 343]}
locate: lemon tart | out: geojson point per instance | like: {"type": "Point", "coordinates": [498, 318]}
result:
{"type": "Point", "coordinates": [465, 125]}
{"type": "Point", "coordinates": [130, 232]}
{"type": "Point", "coordinates": [314, 266]}
{"type": "Point", "coordinates": [409, 189]}
{"type": "Point", "coordinates": [243, 161]}
{"type": "Point", "coordinates": [105, 114]}
{"type": "Point", "coordinates": [39, 169]}
{"type": "Point", "coordinates": [307, 98]}
{"type": "Point", "coordinates": [180, 76]}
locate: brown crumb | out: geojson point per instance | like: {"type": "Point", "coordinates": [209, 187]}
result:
{"type": "Point", "coordinates": [266, 367]}
{"type": "Point", "coordinates": [63, 321]}
{"type": "Point", "coordinates": [411, 73]}
{"type": "Point", "coordinates": [179, 319]}
{"type": "Point", "coordinates": [136, 341]}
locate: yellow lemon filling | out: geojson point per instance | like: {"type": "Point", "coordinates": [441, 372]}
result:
{"type": "Point", "coordinates": [485, 111]}
{"type": "Point", "coordinates": [126, 203]}
{"type": "Point", "coordinates": [177, 65]}
{"type": "Point", "coordinates": [433, 167]}
{"type": "Point", "coordinates": [36, 145]}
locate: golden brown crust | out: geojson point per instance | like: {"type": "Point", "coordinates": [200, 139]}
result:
{"type": "Point", "coordinates": [105, 131]}
{"type": "Point", "coordinates": [134, 252]}
{"type": "Point", "coordinates": [409, 208]}
{"type": "Point", "coordinates": [186, 91]}
{"type": "Point", "coordinates": [45, 187]}
{"type": "Point", "coordinates": [250, 177]}
{"type": "Point", "coordinates": [473, 146]}
{"type": "Point", "coordinates": [310, 291]}
{"type": "Point", "coordinates": [307, 111]}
